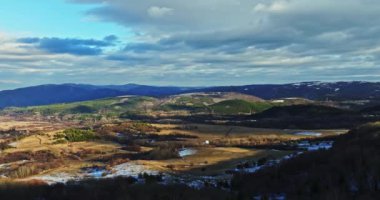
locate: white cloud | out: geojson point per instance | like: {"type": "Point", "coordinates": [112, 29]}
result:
{"type": "Point", "coordinates": [157, 12]}
{"type": "Point", "coordinates": [10, 82]}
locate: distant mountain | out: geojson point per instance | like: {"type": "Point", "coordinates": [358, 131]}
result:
{"type": "Point", "coordinates": [308, 90]}
{"type": "Point", "coordinates": [155, 91]}
{"type": "Point", "coordinates": [49, 94]}
{"type": "Point", "coordinates": [65, 93]}
{"type": "Point", "coordinates": [146, 90]}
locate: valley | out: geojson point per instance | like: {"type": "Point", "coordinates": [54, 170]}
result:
{"type": "Point", "coordinates": [97, 139]}
{"type": "Point", "coordinates": [204, 141]}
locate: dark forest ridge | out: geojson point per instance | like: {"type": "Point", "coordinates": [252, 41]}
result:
{"type": "Point", "coordinates": [64, 93]}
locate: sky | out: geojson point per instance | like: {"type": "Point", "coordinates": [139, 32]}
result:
{"type": "Point", "coordinates": [188, 43]}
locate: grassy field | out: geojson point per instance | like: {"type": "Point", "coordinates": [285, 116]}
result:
{"type": "Point", "coordinates": [214, 161]}
{"type": "Point", "coordinates": [207, 131]}
{"type": "Point", "coordinates": [69, 148]}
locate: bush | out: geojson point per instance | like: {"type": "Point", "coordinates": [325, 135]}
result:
{"type": "Point", "coordinates": [76, 135]}
{"type": "Point", "coordinates": [23, 171]}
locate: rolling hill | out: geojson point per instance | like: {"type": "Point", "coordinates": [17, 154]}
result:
{"type": "Point", "coordinates": [220, 104]}
{"type": "Point", "coordinates": [309, 90]}
{"type": "Point", "coordinates": [65, 93]}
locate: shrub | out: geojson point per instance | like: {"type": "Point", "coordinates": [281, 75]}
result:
{"type": "Point", "coordinates": [23, 171]}
{"type": "Point", "coordinates": [76, 135]}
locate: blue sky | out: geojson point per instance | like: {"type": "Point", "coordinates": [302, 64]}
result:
{"type": "Point", "coordinates": [188, 43]}
{"type": "Point", "coordinates": [55, 18]}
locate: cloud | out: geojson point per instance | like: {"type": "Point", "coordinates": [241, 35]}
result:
{"type": "Point", "coordinates": [155, 11]}
{"type": "Point", "coordinates": [246, 41]}
{"type": "Point", "coordinates": [209, 42]}
{"type": "Point", "coordinates": [9, 82]}
{"type": "Point", "coordinates": [71, 46]}
{"type": "Point", "coordinates": [298, 25]}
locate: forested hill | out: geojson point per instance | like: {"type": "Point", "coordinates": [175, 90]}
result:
{"type": "Point", "coordinates": [65, 93]}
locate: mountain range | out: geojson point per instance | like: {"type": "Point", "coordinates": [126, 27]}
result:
{"type": "Point", "coordinates": [65, 93]}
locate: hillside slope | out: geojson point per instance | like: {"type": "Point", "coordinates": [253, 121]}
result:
{"type": "Point", "coordinates": [350, 170]}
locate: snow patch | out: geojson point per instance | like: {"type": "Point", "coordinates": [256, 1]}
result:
{"type": "Point", "coordinates": [309, 133]}
{"type": "Point", "coordinates": [186, 152]}
{"type": "Point", "coordinates": [130, 169]}
{"type": "Point", "coordinates": [57, 178]}
{"type": "Point", "coordinates": [323, 145]}
{"type": "Point", "coordinates": [13, 144]}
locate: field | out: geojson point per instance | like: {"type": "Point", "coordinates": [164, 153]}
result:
{"type": "Point", "coordinates": [44, 152]}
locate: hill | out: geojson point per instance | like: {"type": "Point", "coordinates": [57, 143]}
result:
{"type": "Point", "coordinates": [309, 90]}
{"type": "Point", "coordinates": [65, 93]}
{"type": "Point", "coordinates": [49, 94]}
{"type": "Point", "coordinates": [350, 170]}
{"type": "Point", "coordinates": [107, 107]}
{"type": "Point", "coordinates": [220, 103]}
{"type": "Point", "coordinates": [238, 106]}
{"type": "Point", "coordinates": [214, 101]}
{"type": "Point", "coordinates": [308, 117]}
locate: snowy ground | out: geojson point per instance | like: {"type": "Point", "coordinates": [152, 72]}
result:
{"type": "Point", "coordinates": [126, 169]}
{"type": "Point", "coordinates": [130, 169]}
{"type": "Point", "coordinates": [13, 144]}
{"type": "Point", "coordinates": [58, 178]}
{"type": "Point", "coordinates": [314, 146]}
{"type": "Point", "coordinates": [305, 145]}
{"type": "Point", "coordinates": [309, 133]}
{"type": "Point", "coordinates": [134, 169]}
{"type": "Point", "coordinates": [186, 152]}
